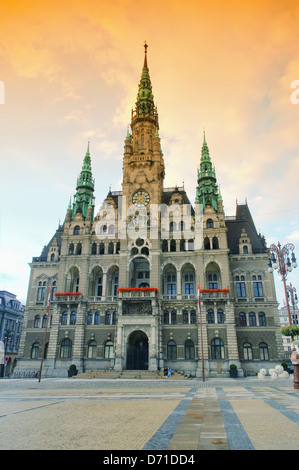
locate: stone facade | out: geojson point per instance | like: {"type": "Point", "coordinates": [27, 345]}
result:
{"type": "Point", "coordinates": [124, 282]}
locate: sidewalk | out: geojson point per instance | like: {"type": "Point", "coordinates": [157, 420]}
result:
{"type": "Point", "coordinates": [152, 415]}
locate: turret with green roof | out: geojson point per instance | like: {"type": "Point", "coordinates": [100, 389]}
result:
{"type": "Point", "coordinates": [207, 191]}
{"type": "Point", "coordinates": [85, 188]}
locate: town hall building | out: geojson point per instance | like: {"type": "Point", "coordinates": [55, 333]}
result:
{"type": "Point", "coordinates": [153, 279]}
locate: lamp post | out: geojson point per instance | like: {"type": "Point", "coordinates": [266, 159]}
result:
{"type": "Point", "coordinates": [279, 258]}
{"type": "Point", "coordinates": [291, 291]}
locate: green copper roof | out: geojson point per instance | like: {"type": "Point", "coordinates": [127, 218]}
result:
{"type": "Point", "coordinates": [145, 99]}
{"type": "Point", "coordinates": [84, 188]}
{"type": "Point", "coordinates": [207, 191]}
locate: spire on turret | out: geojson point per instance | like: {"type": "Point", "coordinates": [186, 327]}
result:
{"type": "Point", "coordinates": [207, 191]}
{"type": "Point", "coordinates": [84, 188]}
{"type": "Point", "coordinates": [145, 107]}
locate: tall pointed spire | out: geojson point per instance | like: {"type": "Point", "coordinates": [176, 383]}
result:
{"type": "Point", "coordinates": [85, 187]}
{"type": "Point", "coordinates": [207, 191]}
{"type": "Point", "coordinates": [145, 107]}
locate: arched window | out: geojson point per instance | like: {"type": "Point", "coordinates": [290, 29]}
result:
{"type": "Point", "coordinates": [217, 349]}
{"type": "Point", "coordinates": [245, 250]}
{"type": "Point", "coordinates": [166, 317]}
{"type": "Point", "coordinates": [211, 316]}
{"type": "Point", "coordinates": [97, 318]}
{"type": "Point", "coordinates": [173, 317]}
{"type": "Point", "coordinates": [71, 249]}
{"type": "Point", "coordinates": [262, 319]}
{"type": "Point", "coordinates": [76, 284]}
{"type": "Point", "coordinates": [37, 321]}
{"type": "Point", "coordinates": [64, 318]}
{"type": "Point", "coordinates": [89, 318]}
{"type": "Point", "coordinates": [210, 223]}
{"type": "Point", "coordinates": [102, 248]}
{"type": "Point", "coordinates": [264, 352]}
{"type": "Point", "coordinates": [172, 245]}
{"type": "Point", "coordinates": [193, 317]}
{"type": "Point", "coordinates": [41, 291]}
{"type": "Point", "coordinates": [170, 281]}
{"type": "Point", "coordinates": [188, 282]}
{"type": "Point", "coordinates": [108, 350]}
{"type": "Point", "coordinates": [99, 286]}
{"type": "Point", "coordinates": [114, 316]}
{"type": "Point", "coordinates": [54, 290]}
{"type": "Point", "coordinates": [79, 249]}
{"type": "Point", "coordinates": [92, 349]}
{"type": "Point", "coordinates": [34, 351]}
{"type": "Point", "coordinates": [66, 349]}
{"type": "Point", "coordinates": [108, 318]}
{"type": "Point", "coordinates": [76, 230]}
{"type": "Point", "coordinates": [94, 249]}
{"type": "Point", "coordinates": [189, 349]}
{"type": "Point", "coordinates": [172, 227]}
{"type": "Point", "coordinates": [73, 318]}
{"type": "Point", "coordinates": [52, 257]}
{"type": "Point", "coordinates": [171, 350]}
{"type": "Point", "coordinates": [44, 322]}
{"type": "Point", "coordinates": [220, 316]}
{"type": "Point", "coordinates": [164, 246]}
{"type": "Point", "coordinates": [252, 319]}
{"type": "Point", "coordinates": [215, 243]}
{"type": "Point", "coordinates": [185, 317]}
{"type": "Point", "coordinates": [207, 245]}
{"type": "Point", "coordinates": [242, 319]}
{"type": "Point", "coordinates": [247, 351]}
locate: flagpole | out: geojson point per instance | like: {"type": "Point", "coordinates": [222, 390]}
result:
{"type": "Point", "coordinates": [45, 335]}
{"type": "Point", "coordinates": [201, 340]}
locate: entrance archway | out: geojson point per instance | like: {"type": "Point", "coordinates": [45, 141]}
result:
{"type": "Point", "coordinates": [137, 351]}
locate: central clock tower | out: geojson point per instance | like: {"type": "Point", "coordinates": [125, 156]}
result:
{"type": "Point", "coordinates": [143, 164]}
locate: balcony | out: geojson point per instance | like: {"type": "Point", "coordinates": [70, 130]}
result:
{"type": "Point", "coordinates": [137, 292]}
{"type": "Point", "coordinates": [214, 294]}
{"type": "Point", "coordinates": [68, 297]}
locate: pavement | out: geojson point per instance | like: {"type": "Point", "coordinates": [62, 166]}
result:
{"type": "Point", "coordinates": [175, 417]}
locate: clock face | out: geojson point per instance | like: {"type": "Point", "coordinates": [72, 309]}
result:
{"type": "Point", "coordinates": [141, 198]}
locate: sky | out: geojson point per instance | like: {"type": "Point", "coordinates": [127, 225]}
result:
{"type": "Point", "coordinates": [69, 74]}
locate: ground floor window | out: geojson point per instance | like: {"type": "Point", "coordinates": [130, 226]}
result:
{"type": "Point", "coordinates": [108, 350]}
{"type": "Point", "coordinates": [264, 352]}
{"type": "Point", "coordinates": [247, 351]}
{"type": "Point", "coordinates": [35, 351]}
{"type": "Point", "coordinates": [189, 349]}
{"type": "Point", "coordinates": [171, 350]}
{"type": "Point", "coordinates": [66, 349]}
{"type": "Point", "coordinates": [92, 350]}
{"type": "Point", "coordinates": [217, 349]}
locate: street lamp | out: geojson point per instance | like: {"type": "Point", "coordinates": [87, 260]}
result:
{"type": "Point", "coordinates": [279, 258]}
{"type": "Point", "coordinates": [292, 293]}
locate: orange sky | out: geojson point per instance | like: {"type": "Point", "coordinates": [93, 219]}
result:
{"type": "Point", "coordinates": [71, 71]}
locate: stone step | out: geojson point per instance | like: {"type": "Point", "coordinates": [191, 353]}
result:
{"type": "Point", "coordinates": [129, 374]}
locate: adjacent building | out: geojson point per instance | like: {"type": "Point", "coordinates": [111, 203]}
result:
{"type": "Point", "coordinates": [124, 282]}
{"type": "Point", "coordinates": [11, 320]}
